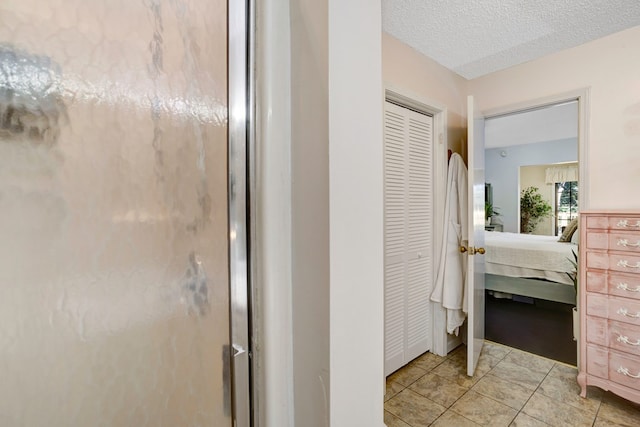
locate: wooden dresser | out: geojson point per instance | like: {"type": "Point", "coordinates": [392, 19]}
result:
{"type": "Point", "coordinates": [610, 302]}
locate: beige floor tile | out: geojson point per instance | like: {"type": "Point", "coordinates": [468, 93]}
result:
{"type": "Point", "coordinates": [524, 420]}
{"type": "Point", "coordinates": [496, 350]}
{"type": "Point", "coordinates": [459, 354]}
{"type": "Point", "coordinates": [618, 410]}
{"type": "Point", "coordinates": [414, 409]}
{"type": "Point", "coordinates": [531, 361]}
{"type": "Point", "coordinates": [491, 360]}
{"type": "Point", "coordinates": [483, 410]}
{"type": "Point", "coordinates": [562, 368]}
{"type": "Point", "coordinates": [511, 394]}
{"type": "Point", "coordinates": [452, 419]}
{"type": "Point", "coordinates": [439, 389]}
{"type": "Point", "coordinates": [561, 385]}
{"type": "Point", "coordinates": [454, 371]}
{"type": "Point", "coordinates": [392, 421]}
{"type": "Point", "coordinates": [428, 361]}
{"type": "Point", "coordinates": [603, 422]}
{"type": "Point", "coordinates": [518, 374]}
{"type": "Point", "coordinates": [392, 389]}
{"type": "Point", "coordinates": [406, 375]}
{"type": "Point", "coordinates": [556, 413]}
{"type": "Point", "coordinates": [485, 364]}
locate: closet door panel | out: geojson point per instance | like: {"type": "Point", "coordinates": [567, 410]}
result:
{"type": "Point", "coordinates": [394, 314]}
{"type": "Point", "coordinates": [408, 235]}
{"type": "Point", "coordinates": [419, 205]}
{"type": "Point", "coordinates": [395, 236]}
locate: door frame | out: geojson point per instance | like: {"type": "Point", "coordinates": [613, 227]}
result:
{"type": "Point", "coordinates": [442, 341]}
{"type": "Point", "coordinates": [439, 112]}
{"type": "Point", "coordinates": [582, 95]}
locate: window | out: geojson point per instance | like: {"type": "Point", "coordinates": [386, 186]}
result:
{"type": "Point", "coordinates": [566, 204]}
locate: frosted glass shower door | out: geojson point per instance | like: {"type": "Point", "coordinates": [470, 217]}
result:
{"type": "Point", "coordinates": [114, 236]}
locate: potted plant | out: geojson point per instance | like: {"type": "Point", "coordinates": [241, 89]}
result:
{"type": "Point", "coordinates": [489, 212]}
{"type": "Point", "coordinates": [573, 275]}
{"type": "Point", "coordinates": [533, 208]}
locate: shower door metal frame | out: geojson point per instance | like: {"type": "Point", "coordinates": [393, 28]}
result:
{"type": "Point", "coordinates": [240, 130]}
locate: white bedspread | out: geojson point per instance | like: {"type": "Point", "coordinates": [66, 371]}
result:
{"type": "Point", "coordinates": [528, 255]}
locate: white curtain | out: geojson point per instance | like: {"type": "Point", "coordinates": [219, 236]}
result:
{"type": "Point", "coordinates": [561, 174]}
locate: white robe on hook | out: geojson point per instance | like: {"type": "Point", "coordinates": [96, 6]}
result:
{"type": "Point", "coordinates": [451, 281]}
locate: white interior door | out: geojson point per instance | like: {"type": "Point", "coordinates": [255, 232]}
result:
{"type": "Point", "coordinates": [408, 219]}
{"type": "Point", "coordinates": [475, 265]}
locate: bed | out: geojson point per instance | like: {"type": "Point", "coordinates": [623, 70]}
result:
{"type": "Point", "coordinates": [529, 265]}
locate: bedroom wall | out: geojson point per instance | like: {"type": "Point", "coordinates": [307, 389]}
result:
{"type": "Point", "coordinates": [609, 68]}
{"type": "Point", "coordinates": [503, 172]}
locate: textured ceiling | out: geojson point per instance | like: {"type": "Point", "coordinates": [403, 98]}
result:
{"type": "Point", "coordinates": [477, 37]}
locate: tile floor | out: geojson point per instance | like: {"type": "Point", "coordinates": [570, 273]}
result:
{"type": "Point", "coordinates": [510, 388]}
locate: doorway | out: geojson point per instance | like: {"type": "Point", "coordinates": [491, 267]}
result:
{"type": "Point", "coordinates": [520, 148]}
{"type": "Point", "coordinates": [123, 297]}
{"type": "Point", "coordinates": [540, 166]}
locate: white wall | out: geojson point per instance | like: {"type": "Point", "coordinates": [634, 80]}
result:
{"type": "Point", "coordinates": [311, 282]}
{"type": "Point", "coordinates": [355, 159]}
{"type": "Point", "coordinates": [273, 332]}
{"type": "Point", "coordinates": [322, 339]}
{"type": "Point", "coordinates": [610, 68]}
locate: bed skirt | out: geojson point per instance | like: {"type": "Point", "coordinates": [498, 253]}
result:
{"type": "Point", "coordinates": [533, 288]}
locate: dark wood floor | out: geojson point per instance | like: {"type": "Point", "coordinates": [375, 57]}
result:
{"type": "Point", "coordinates": [540, 327]}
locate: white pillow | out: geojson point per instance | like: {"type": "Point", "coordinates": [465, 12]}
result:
{"type": "Point", "coordinates": [575, 239]}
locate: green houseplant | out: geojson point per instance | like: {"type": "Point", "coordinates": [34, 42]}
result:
{"type": "Point", "coordinates": [489, 211]}
{"type": "Point", "coordinates": [533, 209]}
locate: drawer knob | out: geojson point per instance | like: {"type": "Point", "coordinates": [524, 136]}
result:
{"type": "Point", "coordinates": [624, 371]}
{"type": "Point", "coordinates": [623, 223]}
{"type": "Point", "coordinates": [624, 263]}
{"type": "Point", "coordinates": [623, 339]}
{"type": "Point", "coordinates": [625, 287]}
{"type": "Point", "coordinates": [625, 243]}
{"type": "Point", "coordinates": [624, 312]}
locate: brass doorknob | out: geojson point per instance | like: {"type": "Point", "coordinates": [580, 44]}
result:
{"type": "Point", "coordinates": [480, 251]}
{"type": "Point", "coordinates": [463, 249]}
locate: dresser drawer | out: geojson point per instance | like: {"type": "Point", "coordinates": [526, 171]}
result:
{"type": "Point", "coordinates": [624, 369]}
{"type": "Point", "coordinates": [604, 222]}
{"type": "Point", "coordinates": [624, 223]}
{"type": "Point", "coordinates": [627, 242]}
{"type": "Point", "coordinates": [624, 285]}
{"type": "Point", "coordinates": [597, 330]}
{"type": "Point", "coordinates": [597, 361]}
{"type": "Point", "coordinates": [610, 333]}
{"type": "Point", "coordinates": [614, 308]}
{"type": "Point", "coordinates": [614, 241]}
{"type": "Point", "coordinates": [614, 261]}
{"type": "Point", "coordinates": [624, 337]}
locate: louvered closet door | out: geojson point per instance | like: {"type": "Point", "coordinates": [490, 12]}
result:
{"type": "Point", "coordinates": [408, 212]}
